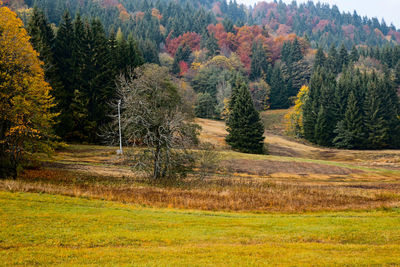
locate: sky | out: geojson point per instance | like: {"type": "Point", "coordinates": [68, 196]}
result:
{"type": "Point", "coordinates": [387, 9]}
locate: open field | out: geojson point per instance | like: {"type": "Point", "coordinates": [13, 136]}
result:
{"type": "Point", "coordinates": [299, 205]}
{"type": "Point", "coordinates": [58, 230]}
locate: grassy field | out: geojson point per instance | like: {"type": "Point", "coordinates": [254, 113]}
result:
{"type": "Point", "coordinates": [73, 231]}
{"type": "Point", "coordinates": [298, 205]}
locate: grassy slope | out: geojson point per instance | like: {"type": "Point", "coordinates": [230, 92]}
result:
{"type": "Point", "coordinates": [71, 231]}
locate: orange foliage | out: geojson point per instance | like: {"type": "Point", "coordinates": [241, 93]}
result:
{"type": "Point", "coordinates": [241, 43]}
{"type": "Point", "coordinates": [190, 39]}
{"type": "Point", "coordinates": [156, 13]}
{"type": "Point", "coordinates": [123, 14]}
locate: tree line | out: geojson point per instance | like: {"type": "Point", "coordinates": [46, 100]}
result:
{"type": "Point", "coordinates": [81, 63]}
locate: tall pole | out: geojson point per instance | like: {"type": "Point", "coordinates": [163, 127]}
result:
{"type": "Point", "coordinates": [119, 123]}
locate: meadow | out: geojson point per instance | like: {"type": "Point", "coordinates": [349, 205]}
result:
{"type": "Point", "coordinates": [298, 205]}
{"type": "Point", "coordinates": [65, 231]}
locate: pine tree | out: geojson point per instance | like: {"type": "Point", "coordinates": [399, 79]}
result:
{"type": "Point", "coordinates": [320, 59]}
{"type": "Point", "coordinates": [212, 45]}
{"type": "Point", "coordinates": [375, 123]}
{"type": "Point", "coordinates": [205, 106]}
{"type": "Point", "coordinates": [259, 61]}
{"type": "Point", "coordinates": [42, 39]}
{"type": "Point", "coordinates": [350, 131]}
{"type": "Point", "coordinates": [354, 55]}
{"type": "Point", "coordinates": [279, 95]}
{"type": "Point", "coordinates": [332, 62]}
{"type": "Point", "coordinates": [322, 134]}
{"type": "Point", "coordinates": [296, 54]}
{"type": "Point", "coordinates": [63, 59]}
{"type": "Point", "coordinates": [244, 123]}
{"type": "Point", "coordinates": [343, 59]}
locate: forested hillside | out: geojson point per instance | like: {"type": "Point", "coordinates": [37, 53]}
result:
{"type": "Point", "coordinates": [323, 25]}
{"type": "Point", "coordinates": [273, 48]}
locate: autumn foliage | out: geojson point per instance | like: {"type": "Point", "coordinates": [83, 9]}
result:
{"type": "Point", "coordinates": [242, 40]}
{"type": "Point", "coordinates": [25, 100]}
{"type": "Point", "coordinates": [190, 39]}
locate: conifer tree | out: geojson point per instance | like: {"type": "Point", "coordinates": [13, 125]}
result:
{"type": "Point", "coordinates": [375, 124]}
{"type": "Point", "coordinates": [205, 106]}
{"type": "Point", "coordinates": [211, 44]}
{"type": "Point", "coordinates": [320, 59]}
{"type": "Point", "coordinates": [63, 59]}
{"type": "Point", "coordinates": [279, 94]}
{"type": "Point", "coordinates": [42, 39]}
{"type": "Point", "coordinates": [350, 131]}
{"type": "Point", "coordinates": [343, 59]}
{"type": "Point", "coordinates": [259, 61]}
{"type": "Point", "coordinates": [354, 55]}
{"type": "Point", "coordinates": [244, 124]}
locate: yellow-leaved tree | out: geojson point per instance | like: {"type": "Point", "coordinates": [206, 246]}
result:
{"type": "Point", "coordinates": [26, 119]}
{"type": "Point", "coordinates": [294, 119]}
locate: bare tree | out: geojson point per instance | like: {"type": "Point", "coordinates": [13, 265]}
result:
{"type": "Point", "coordinates": [156, 122]}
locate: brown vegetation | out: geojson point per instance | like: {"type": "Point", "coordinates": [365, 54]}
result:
{"type": "Point", "coordinates": [349, 180]}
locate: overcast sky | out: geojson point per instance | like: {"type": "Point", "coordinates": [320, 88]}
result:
{"type": "Point", "coordinates": [387, 9]}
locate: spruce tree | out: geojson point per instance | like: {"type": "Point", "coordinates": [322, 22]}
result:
{"type": "Point", "coordinates": [343, 59]}
{"type": "Point", "coordinates": [244, 124]}
{"type": "Point", "coordinates": [354, 55]}
{"type": "Point", "coordinates": [63, 59]}
{"type": "Point", "coordinates": [320, 59]}
{"type": "Point", "coordinates": [205, 106]}
{"type": "Point", "coordinates": [375, 124]}
{"type": "Point", "coordinates": [279, 95]}
{"type": "Point", "coordinates": [350, 131]}
{"type": "Point", "coordinates": [211, 44]}
{"type": "Point", "coordinates": [259, 61]}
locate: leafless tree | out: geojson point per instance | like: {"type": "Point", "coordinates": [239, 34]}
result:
{"type": "Point", "coordinates": [156, 122]}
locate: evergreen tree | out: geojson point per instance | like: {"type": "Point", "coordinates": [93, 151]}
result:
{"type": "Point", "coordinates": [42, 39]}
{"type": "Point", "coordinates": [244, 123]}
{"type": "Point", "coordinates": [259, 61]}
{"type": "Point", "coordinates": [354, 55]}
{"type": "Point", "coordinates": [343, 59]}
{"type": "Point", "coordinates": [320, 59]}
{"type": "Point", "coordinates": [63, 59]}
{"type": "Point", "coordinates": [211, 45]}
{"type": "Point", "coordinates": [322, 134]}
{"type": "Point", "coordinates": [350, 131]}
{"type": "Point", "coordinates": [397, 75]}
{"type": "Point", "coordinates": [279, 95]}
{"type": "Point", "coordinates": [375, 124]}
{"type": "Point", "coordinates": [205, 106]}
{"type": "Point", "coordinates": [333, 62]}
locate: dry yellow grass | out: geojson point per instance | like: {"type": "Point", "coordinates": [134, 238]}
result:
{"type": "Point", "coordinates": [349, 180]}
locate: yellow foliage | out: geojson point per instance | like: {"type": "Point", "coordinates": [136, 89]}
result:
{"type": "Point", "coordinates": [25, 99]}
{"type": "Point", "coordinates": [294, 119]}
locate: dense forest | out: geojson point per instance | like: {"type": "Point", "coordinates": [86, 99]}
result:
{"type": "Point", "coordinates": [349, 64]}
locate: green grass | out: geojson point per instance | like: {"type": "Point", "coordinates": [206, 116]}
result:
{"type": "Point", "coordinates": [42, 229]}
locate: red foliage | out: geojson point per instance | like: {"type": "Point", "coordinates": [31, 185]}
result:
{"type": "Point", "coordinates": [217, 10]}
{"type": "Point", "coordinates": [349, 30]}
{"type": "Point", "coordinates": [242, 42]}
{"type": "Point", "coordinates": [396, 35]}
{"type": "Point", "coordinates": [190, 39]}
{"type": "Point", "coordinates": [139, 15]}
{"type": "Point", "coordinates": [109, 3]}
{"type": "Point", "coordinates": [322, 25]}
{"type": "Point", "coordinates": [184, 67]}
